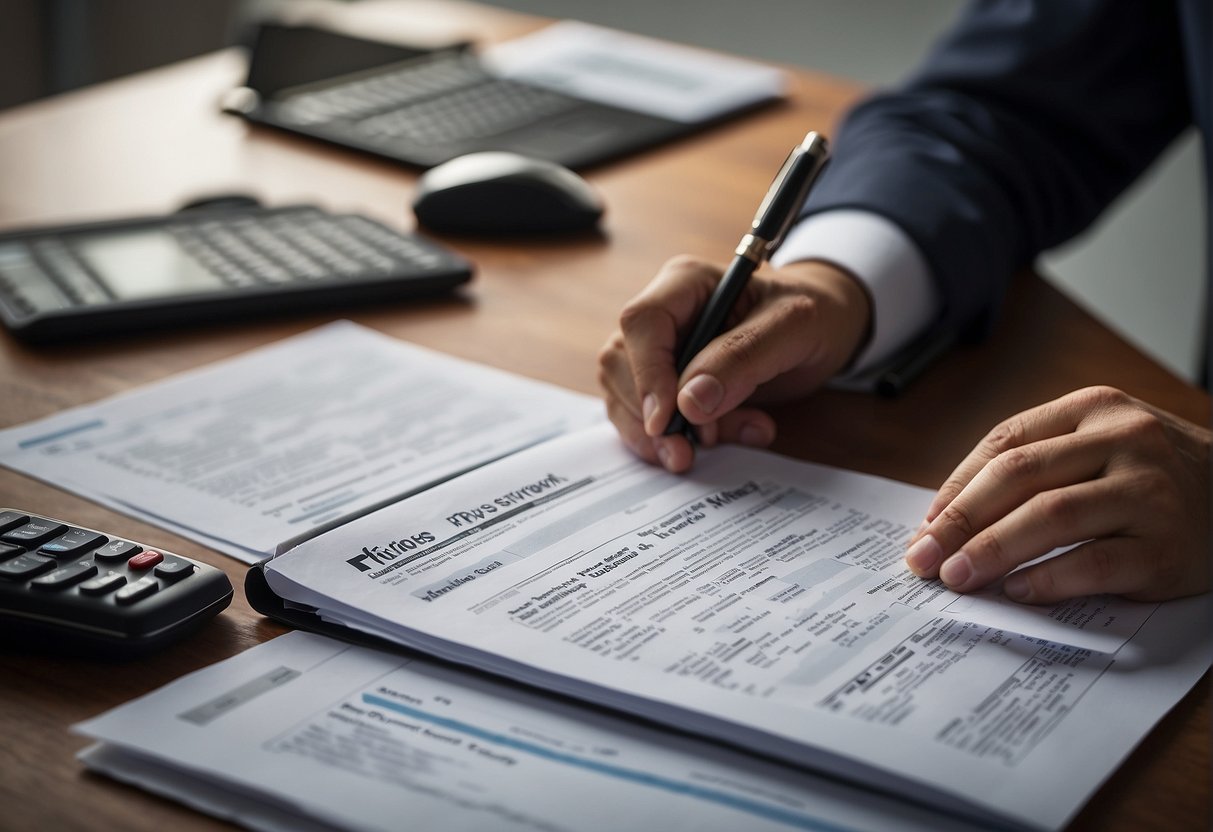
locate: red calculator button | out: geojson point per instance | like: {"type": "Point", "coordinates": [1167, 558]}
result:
{"type": "Point", "coordinates": [145, 560]}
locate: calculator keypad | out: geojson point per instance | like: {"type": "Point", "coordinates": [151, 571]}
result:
{"type": "Point", "coordinates": [54, 285]}
{"type": "Point", "coordinates": [303, 245]}
{"type": "Point", "coordinates": [65, 585]}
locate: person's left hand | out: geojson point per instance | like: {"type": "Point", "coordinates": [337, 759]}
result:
{"type": "Point", "coordinates": [1127, 482]}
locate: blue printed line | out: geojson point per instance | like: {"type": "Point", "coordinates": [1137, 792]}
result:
{"type": "Point", "coordinates": [51, 437]}
{"type": "Point", "coordinates": [763, 810]}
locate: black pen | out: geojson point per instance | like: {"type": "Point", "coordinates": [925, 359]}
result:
{"type": "Point", "coordinates": [774, 217]}
{"type": "Point", "coordinates": [894, 380]}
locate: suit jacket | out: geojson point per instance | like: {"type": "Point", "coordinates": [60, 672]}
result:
{"type": "Point", "coordinates": [1027, 119]}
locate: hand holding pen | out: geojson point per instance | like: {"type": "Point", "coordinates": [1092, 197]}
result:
{"type": "Point", "coordinates": [774, 217]}
{"type": "Point", "coordinates": [789, 330]}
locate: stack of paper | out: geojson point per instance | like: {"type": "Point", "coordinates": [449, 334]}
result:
{"type": "Point", "coordinates": [764, 602]}
{"type": "Point", "coordinates": [306, 733]}
{"type": "Point", "coordinates": [757, 601]}
{"type": "Point", "coordinates": [252, 454]}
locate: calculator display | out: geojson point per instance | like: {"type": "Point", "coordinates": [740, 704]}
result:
{"type": "Point", "coordinates": [143, 264]}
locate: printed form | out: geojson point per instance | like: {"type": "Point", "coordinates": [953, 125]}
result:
{"type": "Point", "coordinates": [762, 601]}
{"type": "Point", "coordinates": [307, 733]}
{"type": "Point", "coordinates": [253, 453]}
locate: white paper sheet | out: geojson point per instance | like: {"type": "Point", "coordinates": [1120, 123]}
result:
{"type": "Point", "coordinates": [249, 454]}
{"type": "Point", "coordinates": [304, 732]}
{"type": "Point", "coordinates": [635, 72]}
{"type": "Point", "coordinates": [763, 601]}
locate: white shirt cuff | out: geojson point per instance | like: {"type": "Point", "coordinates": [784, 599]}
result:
{"type": "Point", "coordinates": [886, 261]}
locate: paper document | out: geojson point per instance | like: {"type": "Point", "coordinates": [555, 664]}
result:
{"type": "Point", "coordinates": [762, 601]}
{"type": "Point", "coordinates": [634, 72]}
{"type": "Point", "coordinates": [304, 732]}
{"type": "Point", "coordinates": [253, 453]}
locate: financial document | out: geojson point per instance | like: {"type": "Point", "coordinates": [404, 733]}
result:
{"type": "Point", "coordinates": [762, 601]}
{"type": "Point", "coordinates": [251, 454]}
{"type": "Point", "coordinates": [304, 732]}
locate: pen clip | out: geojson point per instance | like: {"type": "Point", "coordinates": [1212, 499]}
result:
{"type": "Point", "coordinates": [788, 191]}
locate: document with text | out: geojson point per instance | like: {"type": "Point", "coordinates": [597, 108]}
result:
{"type": "Point", "coordinates": [761, 601]}
{"type": "Point", "coordinates": [308, 733]}
{"type": "Point", "coordinates": [254, 453]}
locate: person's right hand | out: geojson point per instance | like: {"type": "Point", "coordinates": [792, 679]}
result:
{"type": "Point", "coordinates": [790, 331]}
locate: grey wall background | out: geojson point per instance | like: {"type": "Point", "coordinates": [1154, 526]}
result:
{"type": "Point", "coordinates": [51, 46]}
{"type": "Point", "coordinates": [1141, 268]}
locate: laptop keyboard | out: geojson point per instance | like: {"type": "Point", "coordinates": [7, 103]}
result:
{"type": "Point", "coordinates": [446, 97]}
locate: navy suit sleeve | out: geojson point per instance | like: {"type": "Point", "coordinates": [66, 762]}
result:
{"type": "Point", "coordinates": [1027, 119]}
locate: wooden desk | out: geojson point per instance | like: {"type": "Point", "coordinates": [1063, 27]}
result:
{"type": "Point", "coordinates": [147, 143]}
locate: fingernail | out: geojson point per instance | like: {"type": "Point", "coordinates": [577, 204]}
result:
{"type": "Point", "coordinates": [755, 435]}
{"type": "Point", "coordinates": [1017, 588]}
{"type": "Point", "coordinates": [663, 455]}
{"type": "Point", "coordinates": [706, 391]}
{"type": "Point", "coordinates": [956, 571]}
{"type": "Point", "coordinates": [647, 408]}
{"type": "Point", "coordinates": [924, 555]}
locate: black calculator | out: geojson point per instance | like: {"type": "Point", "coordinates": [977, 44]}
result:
{"type": "Point", "coordinates": [208, 266]}
{"type": "Point", "coordinates": [77, 591]}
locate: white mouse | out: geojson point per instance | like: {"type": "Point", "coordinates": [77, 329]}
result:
{"type": "Point", "coordinates": [495, 192]}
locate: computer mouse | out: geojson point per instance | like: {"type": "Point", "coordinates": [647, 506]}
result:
{"type": "Point", "coordinates": [221, 202]}
{"type": "Point", "coordinates": [501, 193]}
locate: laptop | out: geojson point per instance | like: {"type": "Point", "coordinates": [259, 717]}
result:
{"type": "Point", "coordinates": [422, 107]}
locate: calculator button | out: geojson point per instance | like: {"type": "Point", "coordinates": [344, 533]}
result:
{"type": "Point", "coordinates": [103, 584]}
{"type": "Point", "coordinates": [34, 532]}
{"type": "Point", "coordinates": [11, 520]}
{"type": "Point", "coordinates": [116, 550]}
{"type": "Point", "coordinates": [73, 542]}
{"type": "Point", "coordinates": [25, 566]}
{"type": "Point", "coordinates": [27, 284]}
{"type": "Point", "coordinates": [70, 275]}
{"type": "Point", "coordinates": [67, 576]}
{"type": "Point", "coordinates": [145, 560]}
{"type": "Point", "coordinates": [61, 597]}
{"type": "Point", "coordinates": [173, 569]}
{"type": "Point", "coordinates": [137, 591]}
